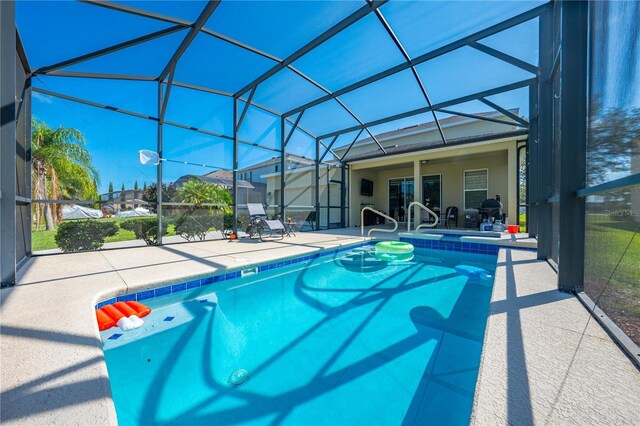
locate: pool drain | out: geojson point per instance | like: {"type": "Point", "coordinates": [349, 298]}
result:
{"type": "Point", "coordinates": [238, 377]}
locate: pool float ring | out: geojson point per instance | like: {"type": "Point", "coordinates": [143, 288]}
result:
{"type": "Point", "coordinates": [394, 251]}
{"type": "Point", "coordinates": [392, 257]}
{"type": "Point", "coordinates": [125, 315]}
{"type": "Point", "coordinates": [394, 247]}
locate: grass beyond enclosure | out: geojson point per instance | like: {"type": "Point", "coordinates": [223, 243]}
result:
{"type": "Point", "coordinates": [605, 260]}
{"type": "Point", "coordinates": [45, 240]}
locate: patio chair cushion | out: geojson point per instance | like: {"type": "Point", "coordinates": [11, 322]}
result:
{"type": "Point", "coordinates": [274, 224]}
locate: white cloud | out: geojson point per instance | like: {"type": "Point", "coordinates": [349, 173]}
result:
{"type": "Point", "coordinates": [45, 99]}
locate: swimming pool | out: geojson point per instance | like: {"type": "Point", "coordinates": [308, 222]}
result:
{"type": "Point", "coordinates": [342, 339]}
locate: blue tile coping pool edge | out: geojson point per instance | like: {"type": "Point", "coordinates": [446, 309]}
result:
{"type": "Point", "coordinates": [465, 247]}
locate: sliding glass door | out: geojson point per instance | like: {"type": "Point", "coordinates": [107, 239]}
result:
{"type": "Point", "coordinates": [400, 195]}
{"type": "Point", "coordinates": [432, 195]}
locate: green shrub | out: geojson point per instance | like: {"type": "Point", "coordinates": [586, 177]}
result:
{"type": "Point", "coordinates": [145, 229]}
{"type": "Point", "coordinates": [189, 225]}
{"type": "Point", "coordinates": [228, 221]}
{"type": "Point", "coordinates": [76, 235]}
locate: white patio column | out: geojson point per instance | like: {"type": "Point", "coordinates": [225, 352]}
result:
{"type": "Point", "coordinates": [512, 185]}
{"type": "Point", "coordinates": [417, 192]}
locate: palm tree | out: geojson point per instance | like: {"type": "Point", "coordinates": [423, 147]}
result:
{"type": "Point", "coordinates": [61, 169]}
{"type": "Point", "coordinates": [199, 192]}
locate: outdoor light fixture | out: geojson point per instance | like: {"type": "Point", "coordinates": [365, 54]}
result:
{"type": "Point", "coordinates": [424, 161]}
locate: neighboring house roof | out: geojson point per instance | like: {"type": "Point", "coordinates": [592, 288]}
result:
{"type": "Point", "coordinates": [221, 174]}
{"type": "Point", "coordinates": [276, 160]}
{"type": "Point", "coordinates": [226, 182]}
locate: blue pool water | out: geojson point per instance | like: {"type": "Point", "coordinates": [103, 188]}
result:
{"type": "Point", "coordinates": [339, 340]}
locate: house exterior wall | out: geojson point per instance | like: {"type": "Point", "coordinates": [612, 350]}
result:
{"type": "Point", "coordinates": [451, 164]}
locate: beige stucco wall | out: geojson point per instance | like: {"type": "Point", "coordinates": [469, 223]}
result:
{"type": "Point", "coordinates": [451, 164]}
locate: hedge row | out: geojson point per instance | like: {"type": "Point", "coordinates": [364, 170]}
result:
{"type": "Point", "coordinates": [77, 235]}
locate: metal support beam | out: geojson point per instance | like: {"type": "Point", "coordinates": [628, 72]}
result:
{"type": "Point", "coordinates": [22, 54]}
{"type": "Point", "coordinates": [180, 22]}
{"type": "Point", "coordinates": [351, 113]}
{"type": "Point", "coordinates": [504, 111]}
{"type": "Point", "coordinates": [509, 23]}
{"type": "Point", "coordinates": [293, 129]}
{"type": "Point", "coordinates": [573, 131]}
{"type": "Point", "coordinates": [283, 144]}
{"type": "Point", "coordinates": [7, 144]}
{"type": "Point", "coordinates": [335, 138]}
{"type": "Point", "coordinates": [330, 150]}
{"type": "Point", "coordinates": [345, 23]}
{"type": "Point", "coordinates": [506, 58]}
{"type": "Point", "coordinates": [203, 89]}
{"type": "Point", "coordinates": [254, 104]}
{"type": "Point", "coordinates": [439, 106]}
{"type": "Point", "coordinates": [541, 150]}
{"type": "Point", "coordinates": [366, 128]}
{"type": "Point", "coordinates": [107, 50]}
{"type": "Point", "coordinates": [343, 196]}
{"type": "Point", "coordinates": [135, 11]}
{"type": "Point", "coordinates": [247, 104]}
{"type": "Point", "coordinates": [97, 75]}
{"type": "Point", "coordinates": [159, 167]}
{"type": "Point", "coordinates": [239, 44]}
{"type": "Point", "coordinates": [556, 65]}
{"type": "Point", "coordinates": [147, 117]}
{"type": "Point", "coordinates": [193, 32]}
{"type": "Point", "coordinates": [317, 184]}
{"type": "Point", "coordinates": [533, 162]}
{"type": "Point", "coordinates": [483, 118]}
{"type": "Point", "coordinates": [234, 194]}
{"type": "Point", "coordinates": [350, 146]}
{"type": "Point", "coordinates": [167, 92]}
{"type": "Point", "coordinates": [407, 58]}
{"type": "Point", "coordinates": [93, 104]}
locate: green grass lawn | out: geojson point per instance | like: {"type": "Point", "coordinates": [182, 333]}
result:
{"type": "Point", "coordinates": [523, 222]}
{"type": "Point", "coordinates": [45, 240]}
{"type": "Point", "coordinates": [605, 243]}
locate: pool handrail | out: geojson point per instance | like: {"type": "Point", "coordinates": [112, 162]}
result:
{"type": "Point", "coordinates": [428, 210]}
{"type": "Point", "coordinates": [395, 227]}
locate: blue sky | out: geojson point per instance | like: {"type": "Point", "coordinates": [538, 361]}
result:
{"type": "Point", "coordinates": [279, 28]}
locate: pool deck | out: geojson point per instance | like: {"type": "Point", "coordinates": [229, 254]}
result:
{"type": "Point", "coordinates": [544, 360]}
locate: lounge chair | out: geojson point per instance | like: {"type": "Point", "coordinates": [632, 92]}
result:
{"type": "Point", "coordinates": [260, 224]}
{"type": "Point", "coordinates": [311, 220]}
{"type": "Point", "coordinates": [451, 216]}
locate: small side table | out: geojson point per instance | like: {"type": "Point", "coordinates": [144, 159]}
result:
{"type": "Point", "coordinates": [290, 229]}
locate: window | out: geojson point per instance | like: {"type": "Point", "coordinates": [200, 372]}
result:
{"type": "Point", "coordinates": [476, 187]}
{"type": "Point", "coordinates": [277, 168]}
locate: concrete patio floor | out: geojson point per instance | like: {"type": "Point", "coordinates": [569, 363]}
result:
{"type": "Point", "coordinates": [544, 361]}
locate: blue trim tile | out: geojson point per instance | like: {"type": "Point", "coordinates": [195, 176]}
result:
{"type": "Point", "coordinates": [218, 278]}
{"type": "Point", "coordinates": [193, 284]}
{"type": "Point", "coordinates": [143, 295]}
{"type": "Point", "coordinates": [127, 298]}
{"type": "Point", "coordinates": [206, 281]}
{"type": "Point", "coordinates": [106, 302]}
{"type": "Point", "coordinates": [178, 287]}
{"type": "Point", "coordinates": [162, 291]}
